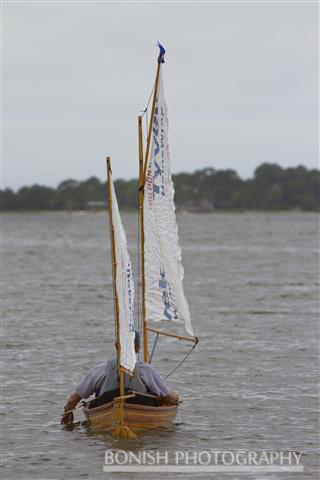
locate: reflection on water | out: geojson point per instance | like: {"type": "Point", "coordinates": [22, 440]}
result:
{"type": "Point", "coordinates": [252, 284]}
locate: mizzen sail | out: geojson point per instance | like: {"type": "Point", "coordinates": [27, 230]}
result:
{"type": "Point", "coordinates": [164, 296]}
{"type": "Point", "coordinates": [124, 288]}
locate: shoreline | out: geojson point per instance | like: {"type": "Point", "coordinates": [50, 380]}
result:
{"type": "Point", "coordinates": [178, 211]}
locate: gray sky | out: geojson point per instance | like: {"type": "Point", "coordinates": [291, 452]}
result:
{"type": "Point", "coordinates": [240, 83]}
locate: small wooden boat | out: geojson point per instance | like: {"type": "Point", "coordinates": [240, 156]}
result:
{"type": "Point", "coordinates": [136, 417]}
{"type": "Point", "coordinates": [161, 275]}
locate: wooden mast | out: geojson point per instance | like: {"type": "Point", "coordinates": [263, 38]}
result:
{"type": "Point", "coordinates": [114, 268]}
{"type": "Point", "coordinates": [141, 210]}
{"type": "Point", "coordinates": [120, 429]}
{"type": "Point", "coordinates": [142, 177]}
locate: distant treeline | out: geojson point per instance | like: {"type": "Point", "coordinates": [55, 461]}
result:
{"type": "Point", "coordinates": [271, 188]}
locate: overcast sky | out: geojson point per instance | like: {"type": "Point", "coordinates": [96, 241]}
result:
{"type": "Point", "coordinates": [240, 83]}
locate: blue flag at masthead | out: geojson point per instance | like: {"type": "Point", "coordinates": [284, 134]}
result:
{"type": "Point", "coordinates": [161, 54]}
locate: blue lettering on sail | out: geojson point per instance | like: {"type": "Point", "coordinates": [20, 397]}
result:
{"type": "Point", "coordinates": [156, 132]}
{"type": "Point", "coordinates": [169, 310]}
{"type": "Point", "coordinates": [162, 149]}
{"type": "Point", "coordinates": [158, 176]}
{"type": "Point", "coordinates": [129, 290]}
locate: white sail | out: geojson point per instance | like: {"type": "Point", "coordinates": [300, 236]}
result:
{"type": "Point", "coordinates": [125, 289]}
{"type": "Point", "coordinates": [164, 296]}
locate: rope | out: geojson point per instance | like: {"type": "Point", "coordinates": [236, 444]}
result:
{"type": "Point", "coordinates": [145, 112]}
{"type": "Point", "coordinates": [139, 303]}
{"type": "Point", "coordinates": [179, 365]}
{"type": "Point", "coordinates": [147, 123]}
{"type": "Point", "coordinates": [146, 109]}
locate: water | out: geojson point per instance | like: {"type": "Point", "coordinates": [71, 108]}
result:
{"type": "Point", "coordinates": [252, 284]}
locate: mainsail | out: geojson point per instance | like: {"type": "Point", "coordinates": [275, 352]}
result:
{"type": "Point", "coordinates": [124, 287]}
{"type": "Point", "coordinates": [164, 296]}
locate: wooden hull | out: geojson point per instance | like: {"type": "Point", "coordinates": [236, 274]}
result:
{"type": "Point", "coordinates": [136, 417]}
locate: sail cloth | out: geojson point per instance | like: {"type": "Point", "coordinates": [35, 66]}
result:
{"type": "Point", "coordinates": [125, 289]}
{"type": "Point", "coordinates": [164, 296]}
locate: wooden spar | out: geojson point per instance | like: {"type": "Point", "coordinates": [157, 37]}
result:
{"type": "Point", "coordinates": [143, 286]}
{"type": "Point", "coordinates": [155, 94]}
{"type": "Point", "coordinates": [114, 264]}
{"type": "Point", "coordinates": [142, 177]}
{"type": "Point", "coordinates": [180, 337]}
{"type": "Point", "coordinates": [147, 395]}
{"type": "Point", "coordinates": [120, 428]}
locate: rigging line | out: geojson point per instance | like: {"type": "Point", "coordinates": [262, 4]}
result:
{"type": "Point", "coordinates": [127, 414]}
{"type": "Point", "coordinates": [146, 127]}
{"type": "Point", "coordinates": [146, 109]}
{"type": "Point", "coordinates": [153, 348]}
{"type": "Point", "coordinates": [179, 365]}
{"type": "Point", "coordinates": [145, 134]}
{"type": "Point", "coordinates": [144, 112]}
{"type": "Point", "coordinates": [138, 193]}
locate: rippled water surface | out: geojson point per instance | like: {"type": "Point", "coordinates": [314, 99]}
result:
{"type": "Point", "coordinates": [252, 284]}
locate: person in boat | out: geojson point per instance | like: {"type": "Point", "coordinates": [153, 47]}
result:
{"type": "Point", "coordinates": [102, 381]}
